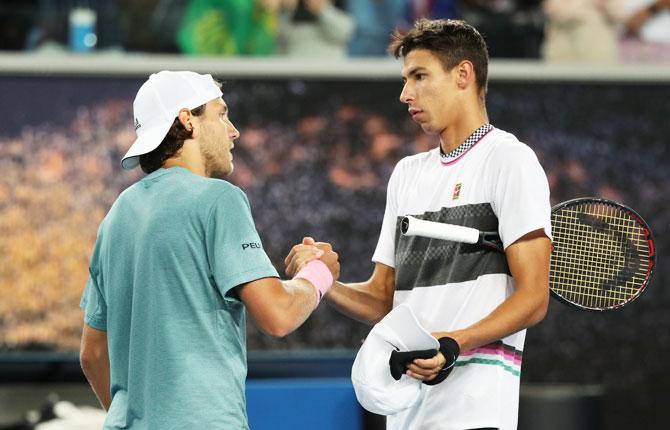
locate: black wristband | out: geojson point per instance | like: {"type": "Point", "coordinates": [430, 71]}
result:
{"type": "Point", "coordinates": [450, 350]}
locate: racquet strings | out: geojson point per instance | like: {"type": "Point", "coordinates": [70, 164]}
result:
{"type": "Point", "coordinates": [601, 256]}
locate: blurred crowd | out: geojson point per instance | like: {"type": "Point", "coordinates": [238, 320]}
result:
{"type": "Point", "coordinates": [600, 31]}
{"type": "Point", "coordinates": [314, 159]}
{"type": "Point", "coordinates": [51, 198]}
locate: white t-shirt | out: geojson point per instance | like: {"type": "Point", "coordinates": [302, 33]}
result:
{"type": "Point", "coordinates": [491, 182]}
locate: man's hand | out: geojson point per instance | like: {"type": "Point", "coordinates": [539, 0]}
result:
{"type": "Point", "coordinates": [301, 255]}
{"type": "Point", "coordinates": [434, 370]}
{"type": "Point", "coordinates": [309, 250]}
{"type": "Point", "coordinates": [426, 369]}
{"type": "Point", "coordinates": [401, 359]}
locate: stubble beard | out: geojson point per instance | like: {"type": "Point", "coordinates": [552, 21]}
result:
{"type": "Point", "coordinates": [215, 165]}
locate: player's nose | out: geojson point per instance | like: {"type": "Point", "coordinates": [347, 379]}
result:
{"type": "Point", "coordinates": [233, 132]}
{"type": "Point", "coordinates": [406, 95]}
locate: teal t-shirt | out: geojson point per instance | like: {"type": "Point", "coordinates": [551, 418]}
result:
{"type": "Point", "coordinates": [166, 262]}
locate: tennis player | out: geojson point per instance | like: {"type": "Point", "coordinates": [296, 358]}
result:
{"type": "Point", "coordinates": [477, 302]}
{"type": "Point", "coordinates": [177, 264]}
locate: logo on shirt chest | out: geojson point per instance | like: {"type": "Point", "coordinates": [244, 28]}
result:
{"type": "Point", "coordinates": [251, 245]}
{"type": "Point", "coordinates": [457, 192]}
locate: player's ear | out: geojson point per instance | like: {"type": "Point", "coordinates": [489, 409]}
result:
{"type": "Point", "coordinates": [185, 118]}
{"type": "Point", "coordinates": [466, 74]}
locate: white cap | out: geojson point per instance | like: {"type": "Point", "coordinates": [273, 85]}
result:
{"type": "Point", "coordinates": [375, 388]}
{"type": "Point", "coordinates": [158, 103]}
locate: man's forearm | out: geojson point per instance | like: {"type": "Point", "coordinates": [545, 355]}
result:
{"type": "Point", "coordinates": [97, 374]}
{"type": "Point", "coordinates": [368, 301]}
{"type": "Point", "coordinates": [94, 359]}
{"type": "Point", "coordinates": [358, 301]}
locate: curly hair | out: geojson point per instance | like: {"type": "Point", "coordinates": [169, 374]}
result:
{"type": "Point", "coordinates": [451, 40]}
{"type": "Point", "coordinates": [171, 144]}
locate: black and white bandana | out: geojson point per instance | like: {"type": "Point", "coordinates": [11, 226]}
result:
{"type": "Point", "coordinates": [463, 147]}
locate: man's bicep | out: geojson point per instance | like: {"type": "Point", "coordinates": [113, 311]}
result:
{"type": "Point", "coordinates": [383, 281]}
{"type": "Point", "coordinates": [234, 248]}
{"type": "Point", "coordinates": [380, 289]}
{"type": "Point", "coordinates": [93, 304]}
{"type": "Point", "coordinates": [528, 260]}
{"type": "Point", "coordinates": [95, 334]}
{"type": "Point", "coordinates": [93, 340]}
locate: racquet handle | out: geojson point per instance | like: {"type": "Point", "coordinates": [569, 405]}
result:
{"type": "Point", "coordinates": [411, 226]}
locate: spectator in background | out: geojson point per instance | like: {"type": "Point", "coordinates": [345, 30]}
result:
{"type": "Point", "coordinates": [16, 19]}
{"type": "Point", "coordinates": [512, 28]}
{"type": "Point", "coordinates": [582, 30]}
{"type": "Point", "coordinates": [433, 9]}
{"type": "Point", "coordinates": [647, 31]}
{"type": "Point", "coordinates": [314, 28]}
{"type": "Point", "coordinates": [152, 24]}
{"type": "Point", "coordinates": [374, 20]}
{"type": "Point", "coordinates": [229, 27]}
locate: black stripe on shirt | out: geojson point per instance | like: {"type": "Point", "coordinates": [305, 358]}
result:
{"type": "Point", "coordinates": [421, 262]}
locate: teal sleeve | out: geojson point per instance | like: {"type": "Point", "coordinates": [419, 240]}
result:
{"type": "Point", "coordinates": [94, 306]}
{"type": "Point", "coordinates": [234, 248]}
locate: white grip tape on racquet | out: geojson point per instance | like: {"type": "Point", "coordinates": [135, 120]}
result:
{"type": "Point", "coordinates": [438, 230]}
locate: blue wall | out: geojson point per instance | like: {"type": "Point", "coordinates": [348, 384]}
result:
{"type": "Point", "coordinates": [303, 403]}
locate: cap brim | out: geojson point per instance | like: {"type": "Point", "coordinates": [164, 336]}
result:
{"type": "Point", "coordinates": [149, 140]}
{"type": "Point", "coordinates": [402, 321]}
{"type": "Point", "coordinates": [375, 388]}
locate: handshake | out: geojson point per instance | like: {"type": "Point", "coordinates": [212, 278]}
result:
{"type": "Point", "coordinates": [316, 262]}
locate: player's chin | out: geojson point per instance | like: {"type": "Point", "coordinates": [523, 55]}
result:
{"type": "Point", "coordinates": [428, 128]}
{"type": "Point", "coordinates": [222, 171]}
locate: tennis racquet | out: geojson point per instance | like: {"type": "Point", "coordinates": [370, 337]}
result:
{"type": "Point", "coordinates": [602, 255]}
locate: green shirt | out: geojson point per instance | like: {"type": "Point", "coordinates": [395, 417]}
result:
{"type": "Point", "coordinates": [166, 262]}
{"type": "Point", "coordinates": [227, 27]}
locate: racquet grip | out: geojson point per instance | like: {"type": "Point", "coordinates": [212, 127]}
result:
{"type": "Point", "coordinates": [411, 226]}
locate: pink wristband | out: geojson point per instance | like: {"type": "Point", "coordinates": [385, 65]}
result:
{"type": "Point", "coordinates": [317, 273]}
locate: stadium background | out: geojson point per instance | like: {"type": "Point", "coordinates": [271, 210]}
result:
{"type": "Point", "coordinates": [318, 145]}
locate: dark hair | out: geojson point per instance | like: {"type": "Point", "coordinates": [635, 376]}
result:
{"type": "Point", "coordinates": [451, 40]}
{"type": "Point", "coordinates": [171, 144]}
